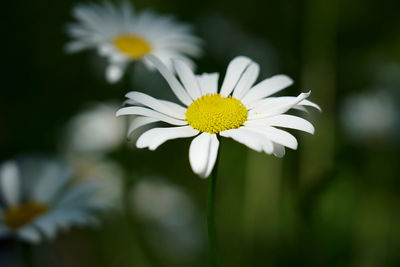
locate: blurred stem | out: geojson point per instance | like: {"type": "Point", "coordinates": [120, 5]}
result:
{"type": "Point", "coordinates": [146, 251]}
{"type": "Point", "coordinates": [149, 256]}
{"type": "Point", "coordinates": [27, 251]}
{"type": "Point", "coordinates": [212, 243]}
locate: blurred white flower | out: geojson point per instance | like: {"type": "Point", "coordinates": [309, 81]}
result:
{"type": "Point", "coordinates": [37, 200]}
{"type": "Point", "coordinates": [104, 171]}
{"type": "Point", "coordinates": [123, 35]}
{"type": "Point", "coordinates": [94, 130]}
{"type": "Point", "coordinates": [156, 200]}
{"type": "Point", "coordinates": [370, 116]}
{"type": "Point", "coordinates": [171, 216]}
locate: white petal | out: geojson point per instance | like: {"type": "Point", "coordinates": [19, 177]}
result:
{"type": "Point", "coordinates": [131, 102]}
{"type": "Point", "coordinates": [302, 108]}
{"type": "Point", "coordinates": [149, 113]}
{"type": "Point", "coordinates": [235, 69]}
{"type": "Point", "coordinates": [105, 49]}
{"type": "Point", "coordinates": [85, 15]}
{"type": "Point", "coordinates": [246, 137]}
{"type": "Point", "coordinates": [199, 152]}
{"type": "Point", "coordinates": [73, 47]}
{"type": "Point", "coordinates": [182, 47]}
{"type": "Point", "coordinates": [155, 104]}
{"type": "Point", "coordinates": [203, 154]}
{"type": "Point", "coordinates": [165, 58]}
{"type": "Point", "coordinates": [286, 121]}
{"type": "Point", "coordinates": [213, 155]}
{"type": "Point", "coordinates": [176, 87]}
{"type": "Point", "coordinates": [301, 105]}
{"type": "Point", "coordinates": [274, 106]}
{"type": "Point", "coordinates": [66, 217]}
{"type": "Point", "coordinates": [127, 11]}
{"type": "Point", "coordinates": [157, 136]}
{"type": "Point", "coordinates": [268, 146]}
{"type": "Point", "coordinates": [60, 218]}
{"type": "Point", "coordinates": [208, 83]}
{"type": "Point", "coordinates": [306, 102]}
{"type": "Point", "coordinates": [53, 178]}
{"type": "Point", "coordinates": [10, 183]}
{"type": "Point", "coordinates": [188, 79]}
{"type": "Point", "coordinates": [263, 141]}
{"type": "Point", "coordinates": [247, 80]}
{"type": "Point", "coordinates": [30, 234]}
{"type": "Point", "coordinates": [175, 106]}
{"type": "Point", "coordinates": [78, 194]}
{"type": "Point", "coordinates": [279, 150]}
{"type": "Point", "coordinates": [118, 59]}
{"type": "Point", "coordinates": [277, 135]}
{"type": "Point", "coordinates": [139, 122]}
{"type": "Point", "coordinates": [47, 225]}
{"type": "Point", "coordinates": [266, 88]}
{"type": "Point", "coordinates": [114, 72]}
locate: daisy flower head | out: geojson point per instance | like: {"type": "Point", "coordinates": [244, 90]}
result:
{"type": "Point", "coordinates": [239, 110]}
{"type": "Point", "coordinates": [37, 201]}
{"type": "Point", "coordinates": [123, 35]}
{"type": "Point", "coordinates": [99, 118]}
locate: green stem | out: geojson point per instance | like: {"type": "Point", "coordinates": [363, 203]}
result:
{"type": "Point", "coordinates": [27, 251]}
{"type": "Point", "coordinates": [146, 251]}
{"type": "Point", "coordinates": [212, 243]}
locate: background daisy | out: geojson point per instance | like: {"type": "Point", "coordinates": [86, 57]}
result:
{"type": "Point", "coordinates": [123, 35]}
{"type": "Point", "coordinates": [37, 200]}
{"type": "Point", "coordinates": [240, 110]}
{"type": "Point", "coordinates": [99, 118]}
{"type": "Point", "coordinates": [168, 213]}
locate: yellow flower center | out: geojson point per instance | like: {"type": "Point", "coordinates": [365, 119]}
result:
{"type": "Point", "coordinates": [132, 45]}
{"type": "Point", "coordinates": [22, 214]}
{"type": "Point", "coordinates": [214, 113]}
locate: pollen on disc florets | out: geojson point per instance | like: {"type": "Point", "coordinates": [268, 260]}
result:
{"type": "Point", "coordinates": [213, 113]}
{"type": "Point", "coordinates": [132, 45]}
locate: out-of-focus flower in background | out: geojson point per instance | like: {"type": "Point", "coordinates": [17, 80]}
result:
{"type": "Point", "coordinates": [170, 216]}
{"type": "Point", "coordinates": [123, 35]}
{"type": "Point", "coordinates": [88, 137]}
{"type": "Point", "coordinates": [95, 130]}
{"type": "Point", "coordinates": [371, 116]}
{"type": "Point", "coordinates": [107, 172]}
{"type": "Point", "coordinates": [239, 110]}
{"type": "Point", "coordinates": [37, 200]}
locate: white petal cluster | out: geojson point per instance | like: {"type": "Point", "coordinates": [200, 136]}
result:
{"type": "Point", "coordinates": [169, 211]}
{"type": "Point", "coordinates": [99, 24]}
{"type": "Point", "coordinates": [371, 116]}
{"type": "Point", "coordinates": [259, 131]}
{"type": "Point", "coordinates": [99, 119]}
{"type": "Point", "coordinates": [46, 182]}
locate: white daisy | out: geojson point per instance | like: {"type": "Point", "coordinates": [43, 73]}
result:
{"type": "Point", "coordinates": [98, 118]}
{"type": "Point", "coordinates": [370, 116]}
{"type": "Point", "coordinates": [168, 210]}
{"type": "Point", "coordinates": [36, 201]}
{"type": "Point", "coordinates": [239, 110]}
{"type": "Point", "coordinates": [122, 35]}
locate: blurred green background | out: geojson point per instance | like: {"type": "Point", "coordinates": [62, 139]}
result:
{"type": "Point", "coordinates": [333, 202]}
